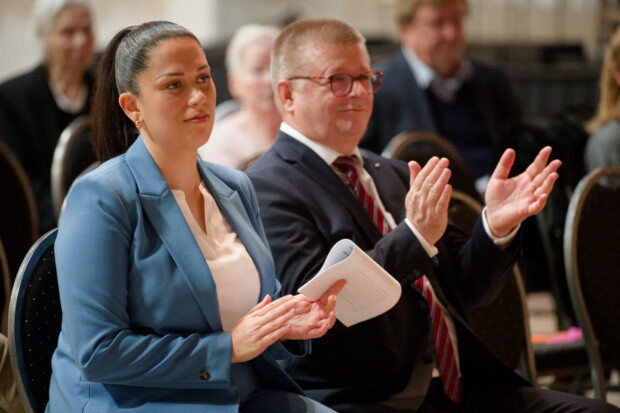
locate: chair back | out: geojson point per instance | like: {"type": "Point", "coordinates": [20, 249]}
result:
{"type": "Point", "coordinates": [34, 323]}
{"type": "Point", "coordinates": [6, 285]}
{"type": "Point", "coordinates": [19, 222]}
{"type": "Point", "coordinates": [421, 146]}
{"type": "Point", "coordinates": [591, 242]}
{"type": "Point", "coordinates": [503, 324]}
{"type": "Point", "coordinates": [73, 154]}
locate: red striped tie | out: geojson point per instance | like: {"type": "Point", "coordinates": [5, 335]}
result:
{"type": "Point", "coordinates": [446, 360]}
{"type": "Point", "coordinates": [347, 165]}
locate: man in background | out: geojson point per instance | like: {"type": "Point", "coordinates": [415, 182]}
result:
{"type": "Point", "coordinates": [429, 85]}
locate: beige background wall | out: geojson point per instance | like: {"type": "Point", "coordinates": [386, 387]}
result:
{"type": "Point", "coordinates": [491, 21]}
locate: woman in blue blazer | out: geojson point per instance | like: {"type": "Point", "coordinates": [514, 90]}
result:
{"type": "Point", "coordinates": [156, 316]}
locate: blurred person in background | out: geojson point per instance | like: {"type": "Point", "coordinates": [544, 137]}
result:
{"type": "Point", "coordinates": [430, 85]}
{"type": "Point", "coordinates": [603, 146]}
{"type": "Point", "coordinates": [36, 106]}
{"type": "Point", "coordinates": [250, 131]}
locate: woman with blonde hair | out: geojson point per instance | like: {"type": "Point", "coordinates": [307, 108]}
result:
{"type": "Point", "coordinates": [603, 146]}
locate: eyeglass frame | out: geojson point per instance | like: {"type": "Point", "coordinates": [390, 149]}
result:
{"type": "Point", "coordinates": [354, 79]}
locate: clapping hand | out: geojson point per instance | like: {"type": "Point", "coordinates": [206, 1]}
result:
{"type": "Point", "coordinates": [289, 317]}
{"type": "Point", "coordinates": [509, 201]}
{"type": "Point", "coordinates": [318, 317]}
{"type": "Point", "coordinates": [426, 203]}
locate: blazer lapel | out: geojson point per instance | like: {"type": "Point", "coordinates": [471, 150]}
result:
{"type": "Point", "coordinates": [313, 167]}
{"type": "Point", "coordinates": [166, 217]}
{"type": "Point", "coordinates": [231, 206]}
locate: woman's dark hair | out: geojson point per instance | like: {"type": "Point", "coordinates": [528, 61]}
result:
{"type": "Point", "coordinates": [126, 56]}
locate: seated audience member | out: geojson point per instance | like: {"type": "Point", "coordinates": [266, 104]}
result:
{"type": "Point", "coordinates": [35, 107]}
{"type": "Point", "coordinates": [603, 145]}
{"type": "Point", "coordinates": [9, 398]}
{"type": "Point", "coordinates": [249, 132]}
{"type": "Point", "coordinates": [315, 187]}
{"type": "Point", "coordinates": [167, 286]}
{"type": "Point", "coordinates": [429, 85]}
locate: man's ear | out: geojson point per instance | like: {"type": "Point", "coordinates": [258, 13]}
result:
{"type": "Point", "coordinates": [285, 95]}
{"type": "Point", "coordinates": [129, 104]}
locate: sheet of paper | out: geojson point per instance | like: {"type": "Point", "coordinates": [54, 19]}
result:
{"type": "Point", "coordinates": [370, 290]}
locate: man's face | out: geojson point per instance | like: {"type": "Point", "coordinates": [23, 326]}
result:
{"type": "Point", "coordinates": [435, 34]}
{"type": "Point", "coordinates": [336, 121]}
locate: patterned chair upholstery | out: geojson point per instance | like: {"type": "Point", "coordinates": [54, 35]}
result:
{"type": "Point", "coordinates": [34, 323]}
{"type": "Point", "coordinates": [503, 324]}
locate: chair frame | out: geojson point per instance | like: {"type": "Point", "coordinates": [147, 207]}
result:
{"type": "Point", "coordinates": [25, 183]}
{"type": "Point", "coordinates": [6, 283]}
{"type": "Point", "coordinates": [61, 154]}
{"type": "Point", "coordinates": [18, 294]}
{"type": "Point", "coordinates": [571, 234]}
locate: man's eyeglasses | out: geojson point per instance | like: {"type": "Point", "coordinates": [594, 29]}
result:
{"type": "Point", "coordinates": [341, 84]}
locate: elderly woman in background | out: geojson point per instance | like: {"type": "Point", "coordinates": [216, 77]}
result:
{"type": "Point", "coordinates": [36, 106]}
{"type": "Point", "coordinates": [250, 131]}
{"type": "Point", "coordinates": [603, 146]}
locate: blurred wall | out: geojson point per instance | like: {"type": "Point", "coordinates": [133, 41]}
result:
{"type": "Point", "coordinates": [213, 21]}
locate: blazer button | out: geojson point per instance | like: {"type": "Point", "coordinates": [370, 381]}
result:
{"type": "Point", "coordinates": [204, 375]}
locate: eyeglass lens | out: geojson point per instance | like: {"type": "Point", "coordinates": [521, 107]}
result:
{"type": "Point", "coordinates": [342, 84]}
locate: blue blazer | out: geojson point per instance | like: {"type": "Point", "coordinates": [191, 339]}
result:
{"type": "Point", "coordinates": [141, 329]}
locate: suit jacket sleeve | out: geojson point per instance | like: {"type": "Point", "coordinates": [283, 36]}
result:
{"type": "Point", "coordinates": [300, 236]}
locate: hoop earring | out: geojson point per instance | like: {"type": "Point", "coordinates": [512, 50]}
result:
{"type": "Point", "coordinates": [139, 124]}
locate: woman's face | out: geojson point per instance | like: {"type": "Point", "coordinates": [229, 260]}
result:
{"type": "Point", "coordinates": [176, 101]}
{"type": "Point", "coordinates": [70, 44]}
{"type": "Point", "coordinates": [251, 84]}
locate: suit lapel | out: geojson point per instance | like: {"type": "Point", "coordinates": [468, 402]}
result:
{"type": "Point", "coordinates": [312, 166]}
{"type": "Point", "coordinates": [166, 217]}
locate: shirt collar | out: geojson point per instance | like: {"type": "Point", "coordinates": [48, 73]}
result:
{"type": "Point", "coordinates": [424, 74]}
{"type": "Point", "coordinates": [324, 152]}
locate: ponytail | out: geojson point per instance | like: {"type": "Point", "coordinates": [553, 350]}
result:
{"type": "Point", "coordinates": [112, 132]}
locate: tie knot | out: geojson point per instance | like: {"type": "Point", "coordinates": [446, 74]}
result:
{"type": "Point", "coordinates": [346, 163]}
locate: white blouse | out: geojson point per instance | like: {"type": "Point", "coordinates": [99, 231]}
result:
{"type": "Point", "coordinates": [233, 270]}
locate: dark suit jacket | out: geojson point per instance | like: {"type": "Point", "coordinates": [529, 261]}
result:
{"type": "Point", "coordinates": [401, 106]}
{"type": "Point", "coordinates": [31, 123]}
{"type": "Point", "coordinates": [306, 209]}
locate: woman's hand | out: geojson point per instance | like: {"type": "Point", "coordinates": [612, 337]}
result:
{"type": "Point", "coordinates": [312, 319]}
{"type": "Point", "coordinates": [266, 323]}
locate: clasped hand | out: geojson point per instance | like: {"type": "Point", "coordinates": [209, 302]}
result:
{"type": "Point", "coordinates": [287, 318]}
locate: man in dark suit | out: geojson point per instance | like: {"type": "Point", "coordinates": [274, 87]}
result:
{"type": "Point", "coordinates": [324, 88]}
{"type": "Point", "coordinates": [430, 86]}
